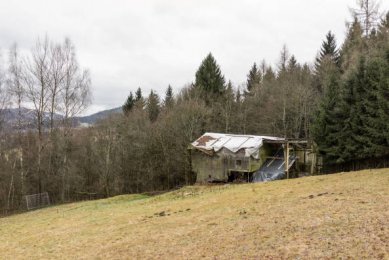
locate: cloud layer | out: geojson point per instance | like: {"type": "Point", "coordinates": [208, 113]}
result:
{"type": "Point", "coordinates": [154, 43]}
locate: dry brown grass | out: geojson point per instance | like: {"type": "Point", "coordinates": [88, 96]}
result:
{"type": "Point", "coordinates": [335, 216]}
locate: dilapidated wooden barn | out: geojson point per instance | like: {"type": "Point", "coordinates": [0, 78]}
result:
{"type": "Point", "coordinates": [219, 157]}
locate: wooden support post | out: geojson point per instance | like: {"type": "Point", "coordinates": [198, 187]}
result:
{"type": "Point", "coordinates": [287, 160]}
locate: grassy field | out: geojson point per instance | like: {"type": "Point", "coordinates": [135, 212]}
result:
{"type": "Point", "coordinates": [335, 216]}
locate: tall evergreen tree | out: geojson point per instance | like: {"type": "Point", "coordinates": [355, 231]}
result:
{"type": "Point", "coordinates": [169, 99]}
{"type": "Point", "coordinates": [383, 100]}
{"type": "Point", "coordinates": [327, 63]}
{"type": "Point", "coordinates": [284, 57]}
{"type": "Point", "coordinates": [327, 125]}
{"type": "Point", "coordinates": [129, 104]}
{"type": "Point", "coordinates": [253, 78]}
{"type": "Point", "coordinates": [210, 79]}
{"type": "Point", "coordinates": [238, 98]}
{"type": "Point", "coordinates": [385, 23]}
{"type": "Point", "coordinates": [365, 110]}
{"type": "Point", "coordinates": [328, 50]}
{"type": "Point", "coordinates": [374, 109]}
{"type": "Point", "coordinates": [292, 64]}
{"type": "Point", "coordinates": [382, 38]}
{"type": "Point", "coordinates": [269, 75]}
{"type": "Point", "coordinates": [354, 140]}
{"type": "Point", "coordinates": [152, 106]}
{"type": "Point", "coordinates": [139, 100]}
{"type": "Point", "coordinates": [138, 94]}
{"type": "Point", "coordinates": [353, 47]}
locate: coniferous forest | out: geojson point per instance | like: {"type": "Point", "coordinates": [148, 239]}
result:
{"type": "Point", "coordinates": [340, 102]}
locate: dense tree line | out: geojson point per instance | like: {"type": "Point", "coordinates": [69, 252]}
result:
{"type": "Point", "coordinates": [341, 102]}
{"type": "Point", "coordinates": [351, 124]}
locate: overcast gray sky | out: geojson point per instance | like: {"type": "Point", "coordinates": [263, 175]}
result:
{"type": "Point", "coordinates": [153, 43]}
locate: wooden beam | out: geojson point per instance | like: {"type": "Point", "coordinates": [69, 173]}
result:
{"type": "Point", "coordinates": [297, 141]}
{"type": "Point", "coordinates": [291, 141]}
{"type": "Point", "coordinates": [287, 160]}
{"type": "Point", "coordinates": [274, 157]}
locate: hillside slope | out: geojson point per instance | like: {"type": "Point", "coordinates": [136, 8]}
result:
{"type": "Point", "coordinates": [341, 215]}
{"type": "Point", "coordinates": [94, 118]}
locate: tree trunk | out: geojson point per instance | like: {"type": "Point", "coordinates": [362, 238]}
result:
{"type": "Point", "coordinates": [64, 174]}
{"type": "Point", "coordinates": [11, 189]}
{"type": "Point", "coordinates": [22, 176]}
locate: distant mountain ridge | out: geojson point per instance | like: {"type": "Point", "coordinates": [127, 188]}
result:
{"type": "Point", "coordinates": [10, 116]}
{"type": "Point", "coordinates": [94, 118]}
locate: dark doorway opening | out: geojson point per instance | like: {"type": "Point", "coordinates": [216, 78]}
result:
{"type": "Point", "coordinates": [242, 177]}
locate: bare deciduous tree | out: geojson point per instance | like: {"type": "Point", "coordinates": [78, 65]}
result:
{"type": "Point", "coordinates": [57, 74]}
{"type": "Point", "coordinates": [74, 97]}
{"type": "Point", "coordinates": [17, 91]}
{"type": "Point", "coordinates": [75, 94]}
{"type": "Point", "coordinates": [4, 102]}
{"type": "Point", "coordinates": [15, 87]}
{"type": "Point", "coordinates": [37, 80]}
{"type": "Point", "coordinates": [368, 13]}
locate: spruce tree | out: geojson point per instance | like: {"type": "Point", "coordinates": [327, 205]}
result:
{"type": "Point", "coordinates": [383, 100]}
{"type": "Point", "coordinates": [374, 109]}
{"type": "Point", "coordinates": [169, 99]}
{"type": "Point", "coordinates": [139, 100]}
{"type": "Point", "coordinates": [292, 63]}
{"type": "Point", "coordinates": [365, 131]}
{"type": "Point", "coordinates": [209, 79]}
{"type": "Point", "coordinates": [238, 98]}
{"type": "Point", "coordinates": [284, 57]}
{"type": "Point", "coordinates": [354, 46]}
{"type": "Point", "coordinates": [327, 63]}
{"type": "Point", "coordinates": [382, 38]}
{"type": "Point", "coordinates": [328, 50]}
{"type": "Point", "coordinates": [138, 94]}
{"type": "Point", "coordinates": [355, 140]}
{"type": "Point", "coordinates": [129, 104]}
{"type": "Point", "coordinates": [152, 106]}
{"type": "Point", "coordinates": [269, 75]}
{"type": "Point", "coordinates": [253, 78]}
{"type": "Point", "coordinates": [328, 123]}
{"type": "Point", "coordinates": [385, 22]}
{"type": "Point", "coordinates": [346, 144]}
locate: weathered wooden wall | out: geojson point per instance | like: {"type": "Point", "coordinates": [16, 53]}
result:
{"type": "Point", "coordinates": [222, 163]}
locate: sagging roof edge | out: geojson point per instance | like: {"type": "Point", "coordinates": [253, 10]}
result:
{"type": "Point", "coordinates": [211, 143]}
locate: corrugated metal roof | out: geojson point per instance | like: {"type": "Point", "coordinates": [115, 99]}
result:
{"type": "Point", "coordinates": [216, 141]}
